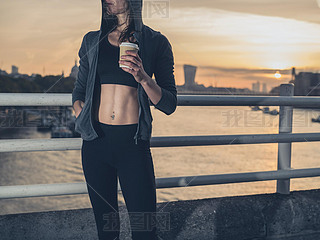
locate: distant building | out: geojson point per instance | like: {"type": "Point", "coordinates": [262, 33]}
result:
{"type": "Point", "coordinates": [14, 70]}
{"type": "Point", "coordinates": [74, 70]}
{"type": "Point", "coordinates": [256, 87]}
{"type": "Point", "coordinates": [189, 76]}
{"type": "Point", "coordinates": [293, 74]}
{"type": "Point", "coordinates": [307, 84]}
{"type": "Point", "coordinates": [264, 88]}
{"type": "Point", "coordinates": [15, 74]}
{"type": "Point", "coordinates": [190, 86]}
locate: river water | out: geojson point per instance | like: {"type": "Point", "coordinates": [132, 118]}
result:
{"type": "Point", "coordinates": [65, 166]}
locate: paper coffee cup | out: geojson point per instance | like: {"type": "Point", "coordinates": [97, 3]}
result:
{"type": "Point", "coordinates": [124, 46]}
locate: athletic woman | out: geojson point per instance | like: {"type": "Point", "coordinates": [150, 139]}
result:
{"type": "Point", "coordinates": [112, 107]}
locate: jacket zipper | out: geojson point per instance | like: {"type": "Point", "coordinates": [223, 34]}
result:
{"type": "Point", "coordinates": [136, 135]}
{"type": "Point", "coordinates": [94, 84]}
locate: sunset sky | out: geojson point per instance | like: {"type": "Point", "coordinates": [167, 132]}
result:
{"type": "Point", "coordinates": [232, 42]}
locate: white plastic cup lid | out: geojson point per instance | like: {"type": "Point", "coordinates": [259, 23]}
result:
{"type": "Point", "coordinates": [130, 45]}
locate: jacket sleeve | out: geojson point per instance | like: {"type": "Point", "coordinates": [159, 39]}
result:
{"type": "Point", "coordinates": [164, 76]}
{"type": "Point", "coordinates": [79, 91]}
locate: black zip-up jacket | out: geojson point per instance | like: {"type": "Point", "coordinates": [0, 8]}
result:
{"type": "Point", "coordinates": [156, 54]}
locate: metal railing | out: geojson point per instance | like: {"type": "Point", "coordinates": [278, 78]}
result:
{"type": "Point", "coordinates": [284, 173]}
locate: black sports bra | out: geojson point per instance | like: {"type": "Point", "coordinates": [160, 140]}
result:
{"type": "Point", "coordinates": [108, 70]}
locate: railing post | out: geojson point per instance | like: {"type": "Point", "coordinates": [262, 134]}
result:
{"type": "Point", "coordinates": [284, 149]}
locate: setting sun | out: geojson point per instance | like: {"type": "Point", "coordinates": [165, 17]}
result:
{"type": "Point", "coordinates": [277, 75]}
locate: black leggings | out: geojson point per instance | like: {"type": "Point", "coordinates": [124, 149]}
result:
{"type": "Point", "coordinates": [113, 154]}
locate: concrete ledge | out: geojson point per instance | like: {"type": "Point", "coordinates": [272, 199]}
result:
{"type": "Point", "coordinates": [267, 216]}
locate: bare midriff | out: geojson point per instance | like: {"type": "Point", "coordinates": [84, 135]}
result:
{"type": "Point", "coordinates": [118, 104]}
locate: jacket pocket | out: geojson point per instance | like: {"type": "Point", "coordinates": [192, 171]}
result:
{"type": "Point", "coordinates": [77, 120]}
{"type": "Point", "coordinates": [79, 114]}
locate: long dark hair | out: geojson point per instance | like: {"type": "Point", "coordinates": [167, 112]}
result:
{"type": "Point", "coordinates": [127, 33]}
